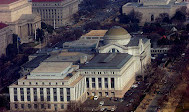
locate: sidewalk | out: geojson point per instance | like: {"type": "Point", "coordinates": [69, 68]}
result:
{"type": "Point", "coordinates": [145, 103]}
{"type": "Point", "coordinates": [172, 104]}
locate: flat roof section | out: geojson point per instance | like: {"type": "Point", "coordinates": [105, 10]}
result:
{"type": "Point", "coordinates": [82, 43]}
{"type": "Point", "coordinates": [51, 67]}
{"type": "Point", "coordinates": [95, 33]}
{"type": "Point", "coordinates": [108, 61]}
{"type": "Point", "coordinates": [68, 57]}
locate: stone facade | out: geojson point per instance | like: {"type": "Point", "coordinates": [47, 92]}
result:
{"type": "Point", "coordinates": [151, 9]}
{"type": "Point", "coordinates": [38, 91]}
{"type": "Point", "coordinates": [12, 13]}
{"type": "Point", "coordinates": [5, 38]}
{"type": "Point", "coordinates": [110, 73]}
{"type": "Point", "coordinates": [55, 13]}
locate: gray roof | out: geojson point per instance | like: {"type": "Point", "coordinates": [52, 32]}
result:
{"type": "Point", "coordinates": [68, 57]}
{"type": "Point", "coordinates": [135, 41]}
{"type": "Point", "coordinates": [35, 62]}
{"type": "Point", "coordinates": [108, 61]}
{"type": "Point", "coordinates": [28, 17]}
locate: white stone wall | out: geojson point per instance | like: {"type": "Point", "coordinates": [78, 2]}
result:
{"type": "Point", "coordinates": [12, 12]}
{"type": "Point", "coordinates": [149, 10]}
{"type": "Point", "coordinates": [5, 39]}
{"type": "Point", "coordinates": [56, 13]}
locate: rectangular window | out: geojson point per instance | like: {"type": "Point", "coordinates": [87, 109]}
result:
{"type": "Point", "coordinates": [100, 94]}
{"type": "Point", "coordinates": [42, 106]}
{"type": "Point", "coordinates": [62, 106]}
{"type": "Point", "coordinates": [29, 106]}
{"type": "Point", "coordinates": [22, 94]}
{"type": "Point", "coordinates": [48, 94]}
{"type": "Point", "coordinates": [28, 94]}
{"type": "Point", "coordinates": [55, 94]}
{"type": "Point", "coordinates": [35, 106]}
{"type": "Point", "coordinates": [106, 82]}
{"type": "Point", "coordinates": [61, 94]}
{"type": "Point", "coordinates": [99, 82]}
{"type": "Point", "coordinates": [35, 94]}
{"type": "Point", "coordinates": [113, 94]}
{"type": "Point", "coordinates": [49, 106]}
{"type": "Point", "coordinates": [22, 106]}
{"type": "Point", "coordinates": [55, 107]}
{"type": "Point", "coordinates": [68, 94]}
{"type": "Point", "coordinates": [106, 93]}
{"type": "Point", "coordinates": [15, 106]}
{"type": "Point", "coordinates": [93, 82]}
{"type": "Point", "coordinates": [87, 82]}
{"type": "Point", "coordinates": [112, 83]}
{"type": "Point", "coordinates": [41, 94]}
{"type": "Point", "coordinates": [15, 94]}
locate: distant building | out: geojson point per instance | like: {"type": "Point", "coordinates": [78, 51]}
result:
{"type": "Point", "coordinates": [114, 40]}
{"type": "Point", "coordinates": [55, 12]}
{"type": "Point", "coordinates": [52, 85]}
{"type": "Point", "coordinates": [82, 45]}
{"type": "Point", "coordinates": [18, 15]}
{"type": "Point", "coordinates": [5, 38]}
{"type": "Point", "coordinates": [49, 87]}
{"type": "Point", "coordinates": [72, 76]}
{"type": "Point", "coordinates": [151, 9]}
{"type": "Point", "coordinates": [95, 34]}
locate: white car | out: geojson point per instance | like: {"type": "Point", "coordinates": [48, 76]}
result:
{"type": "Point", "coordinates": [134, 86]}
{"type": "Point", "coordinates": [101, 103]}
{"type": "Point", "coordinates": [95, 98]}
{"type": "Point", "coordinates": [112, 109]}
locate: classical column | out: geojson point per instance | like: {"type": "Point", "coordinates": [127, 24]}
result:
{"type": "Point", "coordinates": [31, 94]}
{"type": "Point", "coordinates": [103, 84]}
{"type": "Point", "coordinates": [11, 91]}
{"type": "Point", "coordinates": [28, 25]}
{"type": "Point", "coordinates": [31, 28]}
{"type": "Point", "coordinates": [18, 93]}
{"type": "Point", "coordinates": [51, 94]}
{"type": "Point", "coordinates": [72, 91]}
{"type": "Point", "coordinates": [45, 94]}
{"type": "Point", "coordinates": [90, 83]}
{"type": "Point", "coordinates": [25, 94]}
{"type": "Point", "coordinates": [58, 94]}
{"type": "Point", "coordinates": [65, 95]}
{"type": "Point", "coordinates": [109, 83]}
{"type": "Point", "coordinates": [96, 83]}
{"type": "Point", "coordinates": [38, 94]}
{"type": "Point", "coordinates": [20, 31]}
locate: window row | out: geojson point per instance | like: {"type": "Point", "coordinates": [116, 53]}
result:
{"type": "Point", "coordinates": [41, 92]}
{"type": "Point", "coordinates": [99, 72]}
{"type": "Point", "coordinates": [42, 83]}
{"type": "Point", "coordinates": [159, 51]}
{"type": "Point", "coordinates": [38, 106]}
{"type": "Point", "coordinates": [97, 82]}
{"type": "Point", "coordinates": [100, 94]}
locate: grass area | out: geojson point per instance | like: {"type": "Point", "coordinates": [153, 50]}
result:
{"type": "Point", "coordinates": [183, 106]}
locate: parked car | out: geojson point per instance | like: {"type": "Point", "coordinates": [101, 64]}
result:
{"type": "Point", "coordinates": [95, 98]}
{"type": "Point", "coordinates": [101, 103]}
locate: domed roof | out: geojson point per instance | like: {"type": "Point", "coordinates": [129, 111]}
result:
{"type": "Point", "coordinates": [118, 35]}
{"type": "Point", "coordinates": [116, 30]}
